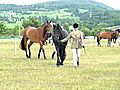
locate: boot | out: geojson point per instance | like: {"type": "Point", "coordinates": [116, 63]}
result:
{"type": "Point", "coordinates": [77, 63]}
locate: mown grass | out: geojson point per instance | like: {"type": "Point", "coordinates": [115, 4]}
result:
{"type": "Point", "coordinates": [99, 69]}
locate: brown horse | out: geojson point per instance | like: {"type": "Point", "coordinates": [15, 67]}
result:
{"type": "Point", "coordinates": [106, 35]}
{"type": "Point", "coordinates": [35, 35]}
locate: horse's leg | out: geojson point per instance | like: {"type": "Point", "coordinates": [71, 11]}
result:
{"type": "Point", "coordinates": [25, 44]}
{"type": "Point", "coordinates": [62, 55]}
{"type": "Point", "coordinates": [109, 43]}
{"type": "Point", "coordinates": [39, 53]}
{"type": "Point", "coordinates": [53, 55]}
{"type": "Point", "coordinates": [29, 48]}
{"type": "Point", "coordinates": [26, 53]}
{"type": "Point", "coordinates": [45, 42]}
{"type": "Point", "coordinates": [44, 53]}
{"type": "Point", "coordinates": [41, 45]}
{"type": "Point", "coordinates": [58, 56]}
{"type": "Point", "coordinates": [98, 41]}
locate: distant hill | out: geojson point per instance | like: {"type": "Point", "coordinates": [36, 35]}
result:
{"type": "Point", "coordinates": [59, 4]}
{"type": "Point", "coordinates": [79, 4]}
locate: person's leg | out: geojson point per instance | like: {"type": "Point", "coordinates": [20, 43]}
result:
{"type": "Point", "coordinates": [78, 57]}
{"type": "Point", "coordinates": [74, 57]}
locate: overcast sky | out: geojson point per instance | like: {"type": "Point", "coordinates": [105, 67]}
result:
{"type": "Point", "coordinates": [113, 3]}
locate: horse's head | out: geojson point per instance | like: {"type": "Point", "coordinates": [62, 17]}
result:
{"type": "Point", "coordinates": [48, 25]}
{"type": "Point", "coordinates": [57, 29]}
{"type": "Point", "coordinates": [115, 35]}
{"type": "Point", "coordinates": [57, 33]}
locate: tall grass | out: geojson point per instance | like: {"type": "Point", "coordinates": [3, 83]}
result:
{"type": "Point", "coordinates": [99, 69]}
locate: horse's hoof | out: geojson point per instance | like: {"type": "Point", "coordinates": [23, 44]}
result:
{"type": "Point", "coordinates": [28, 57]}
{"type": "Point", "coordinates": [57, 65]}
{"type": "Point", "coordinates": [75, 66]}
{"type": "Point", "coordinates": [61, 65]}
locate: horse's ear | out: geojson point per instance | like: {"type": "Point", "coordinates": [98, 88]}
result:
{"type": "Point", "coordinates": [54, 25]}
{"type": "Point", "coordinates": [47, 21]}
{"type": "Point", "coordinates": [58, 25]}
{"type": "Point", "coordinates": [50, 21]}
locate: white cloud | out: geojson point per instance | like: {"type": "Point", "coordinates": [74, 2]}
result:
{"type": "Point", "coordinates": [112, 3]}
{"type": "Point", "coordinates": [22, 2]}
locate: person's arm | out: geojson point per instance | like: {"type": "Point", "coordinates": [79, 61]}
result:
{"type": "Point", "coordinates": [82, 39]}
{"type": "Point", "coordinates": [67, 38]}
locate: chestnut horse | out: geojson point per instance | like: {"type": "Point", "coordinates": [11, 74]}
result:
{"type": "Point", "coordinates": [35, 35]}
{"type": "Point", "coordinates": [106, 35]}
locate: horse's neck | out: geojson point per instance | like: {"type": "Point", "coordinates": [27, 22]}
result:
{"type": "Point", "coordinates": [42, 30]}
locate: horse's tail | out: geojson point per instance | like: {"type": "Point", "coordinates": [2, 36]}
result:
{"type": "Point", "coordinates": [22, 44]}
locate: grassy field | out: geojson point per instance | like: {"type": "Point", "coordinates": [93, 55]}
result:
{"type": "Point", "coordinates": [99, 69]}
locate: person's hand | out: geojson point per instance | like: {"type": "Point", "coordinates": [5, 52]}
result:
{"type": "Point", "coordinates": [60, 41]}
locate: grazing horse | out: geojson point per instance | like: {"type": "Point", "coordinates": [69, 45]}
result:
{"type": "Point", "coordinates": [35, 35]}
{"type": "Point", "coordinates": [106, 35]}
{"type": "Point", "coordinates": [57, 35]}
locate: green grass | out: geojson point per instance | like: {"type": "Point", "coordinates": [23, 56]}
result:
{"type": "Point", "coordinates": [99, 69]}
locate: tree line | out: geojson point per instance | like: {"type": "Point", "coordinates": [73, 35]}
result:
{"type": "Point", "coordinates": [35, 22]}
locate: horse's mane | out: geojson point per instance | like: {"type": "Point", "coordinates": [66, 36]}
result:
{"type": "Point", "coordinates": [41, 25]}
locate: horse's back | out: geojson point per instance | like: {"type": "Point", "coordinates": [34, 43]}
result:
{"type": "Point", "coordinates": [105, 35]}
{"type": "Point", "coordinates": [32, 33]}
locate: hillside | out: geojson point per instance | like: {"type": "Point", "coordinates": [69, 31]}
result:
{"type": "Point", "coordinates": [60, 4]}
{"type": "Point", "coordinates": [72, 4]}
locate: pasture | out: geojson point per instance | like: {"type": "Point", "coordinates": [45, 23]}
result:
{"type": "Point", "coordinates": [99, 69]}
